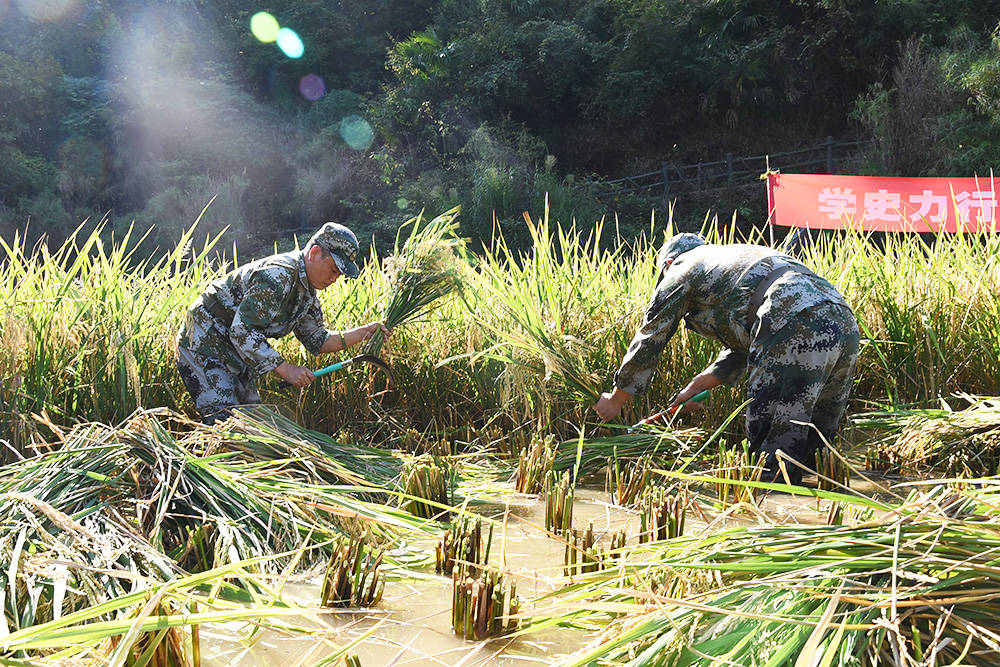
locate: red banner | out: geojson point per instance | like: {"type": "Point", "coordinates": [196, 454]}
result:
{"type": "Point", "coordinates": [882, 203]}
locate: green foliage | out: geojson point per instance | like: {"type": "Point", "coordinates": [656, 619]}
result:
{"type": "Point", "coordinates": [570, 201]}
{"type": "Point", "coordinates": [416, 57]}
{"type": "Point", "coordinates": [982, 78]}
{"type": "Point", "coordinates": [502, 172]}
{"type": "Point", "coordinates": [537, 334]}
{"type": "Point", "coordinates": [941, 113]}
{"type": "Point", "coordinates": [23, 175]}
{"type": "Point", "coordinates": [223, 197]}
{"type": "Point", "coordinates": [88, 110]}
{"type": "Point", "coordinates": [30, 100]}
{"type": "Point", "coordinates": [326, 113]}
{"type": "Point", "coordinates": [906, 120]}
{"type": "Point", "coordinates": [84, 171]}
{"type": "Point", "coordinates": [131, 112]}
{"type": "Point", "coordinates": [45, 213]}
{"type": "Point", "coordinates": [497, 192]}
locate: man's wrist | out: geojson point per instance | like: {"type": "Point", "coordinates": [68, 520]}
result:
{"type": "Point", "coordinates": [620, 397]}
{"type": "Point", "coordinates": [705, 380]}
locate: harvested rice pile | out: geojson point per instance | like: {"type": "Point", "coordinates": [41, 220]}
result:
{"type": "Point", "coordinates": [911, 583]}
{"type": "Point", "coordinates": [963, 443]}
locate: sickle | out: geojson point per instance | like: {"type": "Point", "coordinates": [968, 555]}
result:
{"type": "Point", "coordinates": [670, 412]}
{"type": "Point", "coordinates": [361, 358]}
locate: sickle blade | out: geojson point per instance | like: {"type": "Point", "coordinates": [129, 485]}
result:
{"type": "Point", "coordinates": [376, 362]}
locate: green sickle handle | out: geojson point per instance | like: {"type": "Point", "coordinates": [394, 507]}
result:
{"type": "Point", "coordinates": [361, 358]}
{"type": "Point", "coordinates": [670, 412]}
{"type": "Point", "coordinates": [332, 368]}
{"type": "Point", "coordinates": [697, 398]}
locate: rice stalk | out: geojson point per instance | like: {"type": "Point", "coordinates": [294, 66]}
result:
{"type": "Point", "coordinates": [427, 478]}
{"type": "Point", "coordinates": [835, 515]}
{"type": "Point", "coordinates": [659, 445]}
{"type": "Point", "coordinates": [737, 465]}
{"type": "Point", "coordinates": [534, 464]}
{"type": "Point", "coordinates": [462, 545]}
{"type": "Point", "coordinates": [414, 442]}
{"type": "Point", "coordinates": [534, 299]}
{"type": "Point", "coordinates": [263, 434]}
{"type": "Point", "coordinates": [56, 565]}
{"type": "Point", "coordinates": [625, 481]}
{"type": "Point", "coordinates": [662, 512]}
{"type": "Point", "coordinates": [256, 506]}
{"type": "Point", "coordinates": [919, 580]}
{"type": "Point", "coordinates": [146, 620]}
{"type": "Point", "coordinates": [832, 473]}
{"type": "Point", "coordinates": [876, 461]}
{"type": "Point", "coordinates": [75, 318]}
{"type": "Point", "coordinates": [483, 605]}
{"type": "Point", "coordinates": [198, 509]}
{"type": "Point", "coordinates": [352, 577]}
{"type": "Point", "coordinates": [584, 554]}
{"type": "Point", "coordinates": [427, 267]}
{"type": "Point", "coordinates": [166, 647]}
{"type": "Point", "coordinates": [957, 443]}
{"type": "Point", "coordinates": [558, 492]}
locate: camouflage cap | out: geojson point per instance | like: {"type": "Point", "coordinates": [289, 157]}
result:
{"type": "Point", "coordinates": [342, 244]}
{"type": "Point", "coordinates": [675, 246]}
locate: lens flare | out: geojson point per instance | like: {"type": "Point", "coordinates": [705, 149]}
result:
{"type": "Point", "coordinates": [264, 27]}
{"type": "Point", "coordinates": [357, 132]}
{"type": "Point", "coordinates": [44, 10]}
{"type": "Point", "coordinates": [312, 87]}
{"type": "Point", "coordinates": [290, 43]}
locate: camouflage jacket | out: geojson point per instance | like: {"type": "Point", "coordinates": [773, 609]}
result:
{"type": "Point", "coordinates": [268, 298]}
{"type": "Point", "coordinates": [710, 288]}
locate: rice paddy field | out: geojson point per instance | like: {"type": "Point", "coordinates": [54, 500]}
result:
{"type": "Point", "coordinates": [471, 511]}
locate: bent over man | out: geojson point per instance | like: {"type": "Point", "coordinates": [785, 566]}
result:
{"type": "Point", "coordinates": [788, 328]}
{"type": "Point", "coordinates": [222, 346]}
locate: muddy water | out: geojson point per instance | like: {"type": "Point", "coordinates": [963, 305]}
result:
{"type": "Point", "coordinates": [412, 625]}
{"type": "Point", "coordinates": [414, 617]}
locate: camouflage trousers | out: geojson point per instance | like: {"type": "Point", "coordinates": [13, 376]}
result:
{"type": "Point", "coordinates": [216, 382]}
{"type": "Point", "coordinates": [800, 377]}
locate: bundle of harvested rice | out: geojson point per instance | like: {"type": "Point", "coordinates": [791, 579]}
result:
{"type": "Point", "coordinates": [914, 586]}
{"type": "Point", "coordinates": [427, 267]}
{"type": "Point", "coordinates": [662, 445]}
{"type": "Point", "coordinates": [962, 443]}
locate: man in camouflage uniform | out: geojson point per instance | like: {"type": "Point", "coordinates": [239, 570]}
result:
{"type": "Point", "coordinates": [789, 328]}
{"type": "Point", "coordinates": [222, 347]}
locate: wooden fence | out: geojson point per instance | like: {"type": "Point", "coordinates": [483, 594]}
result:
{"type": "Point", "coordinates": [734, 172]}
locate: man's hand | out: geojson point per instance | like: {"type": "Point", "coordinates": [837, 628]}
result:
{"type": "Point", "coordinates": [368, 330]}
{"type": "Point", "coordinates": [610, 405]}
{"type": "Point", "coordinates": [700, 383]}
{"type": "Point", "coordinates": [341, 340]}
{"type": "Point", "coordinates": [298, 376]}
